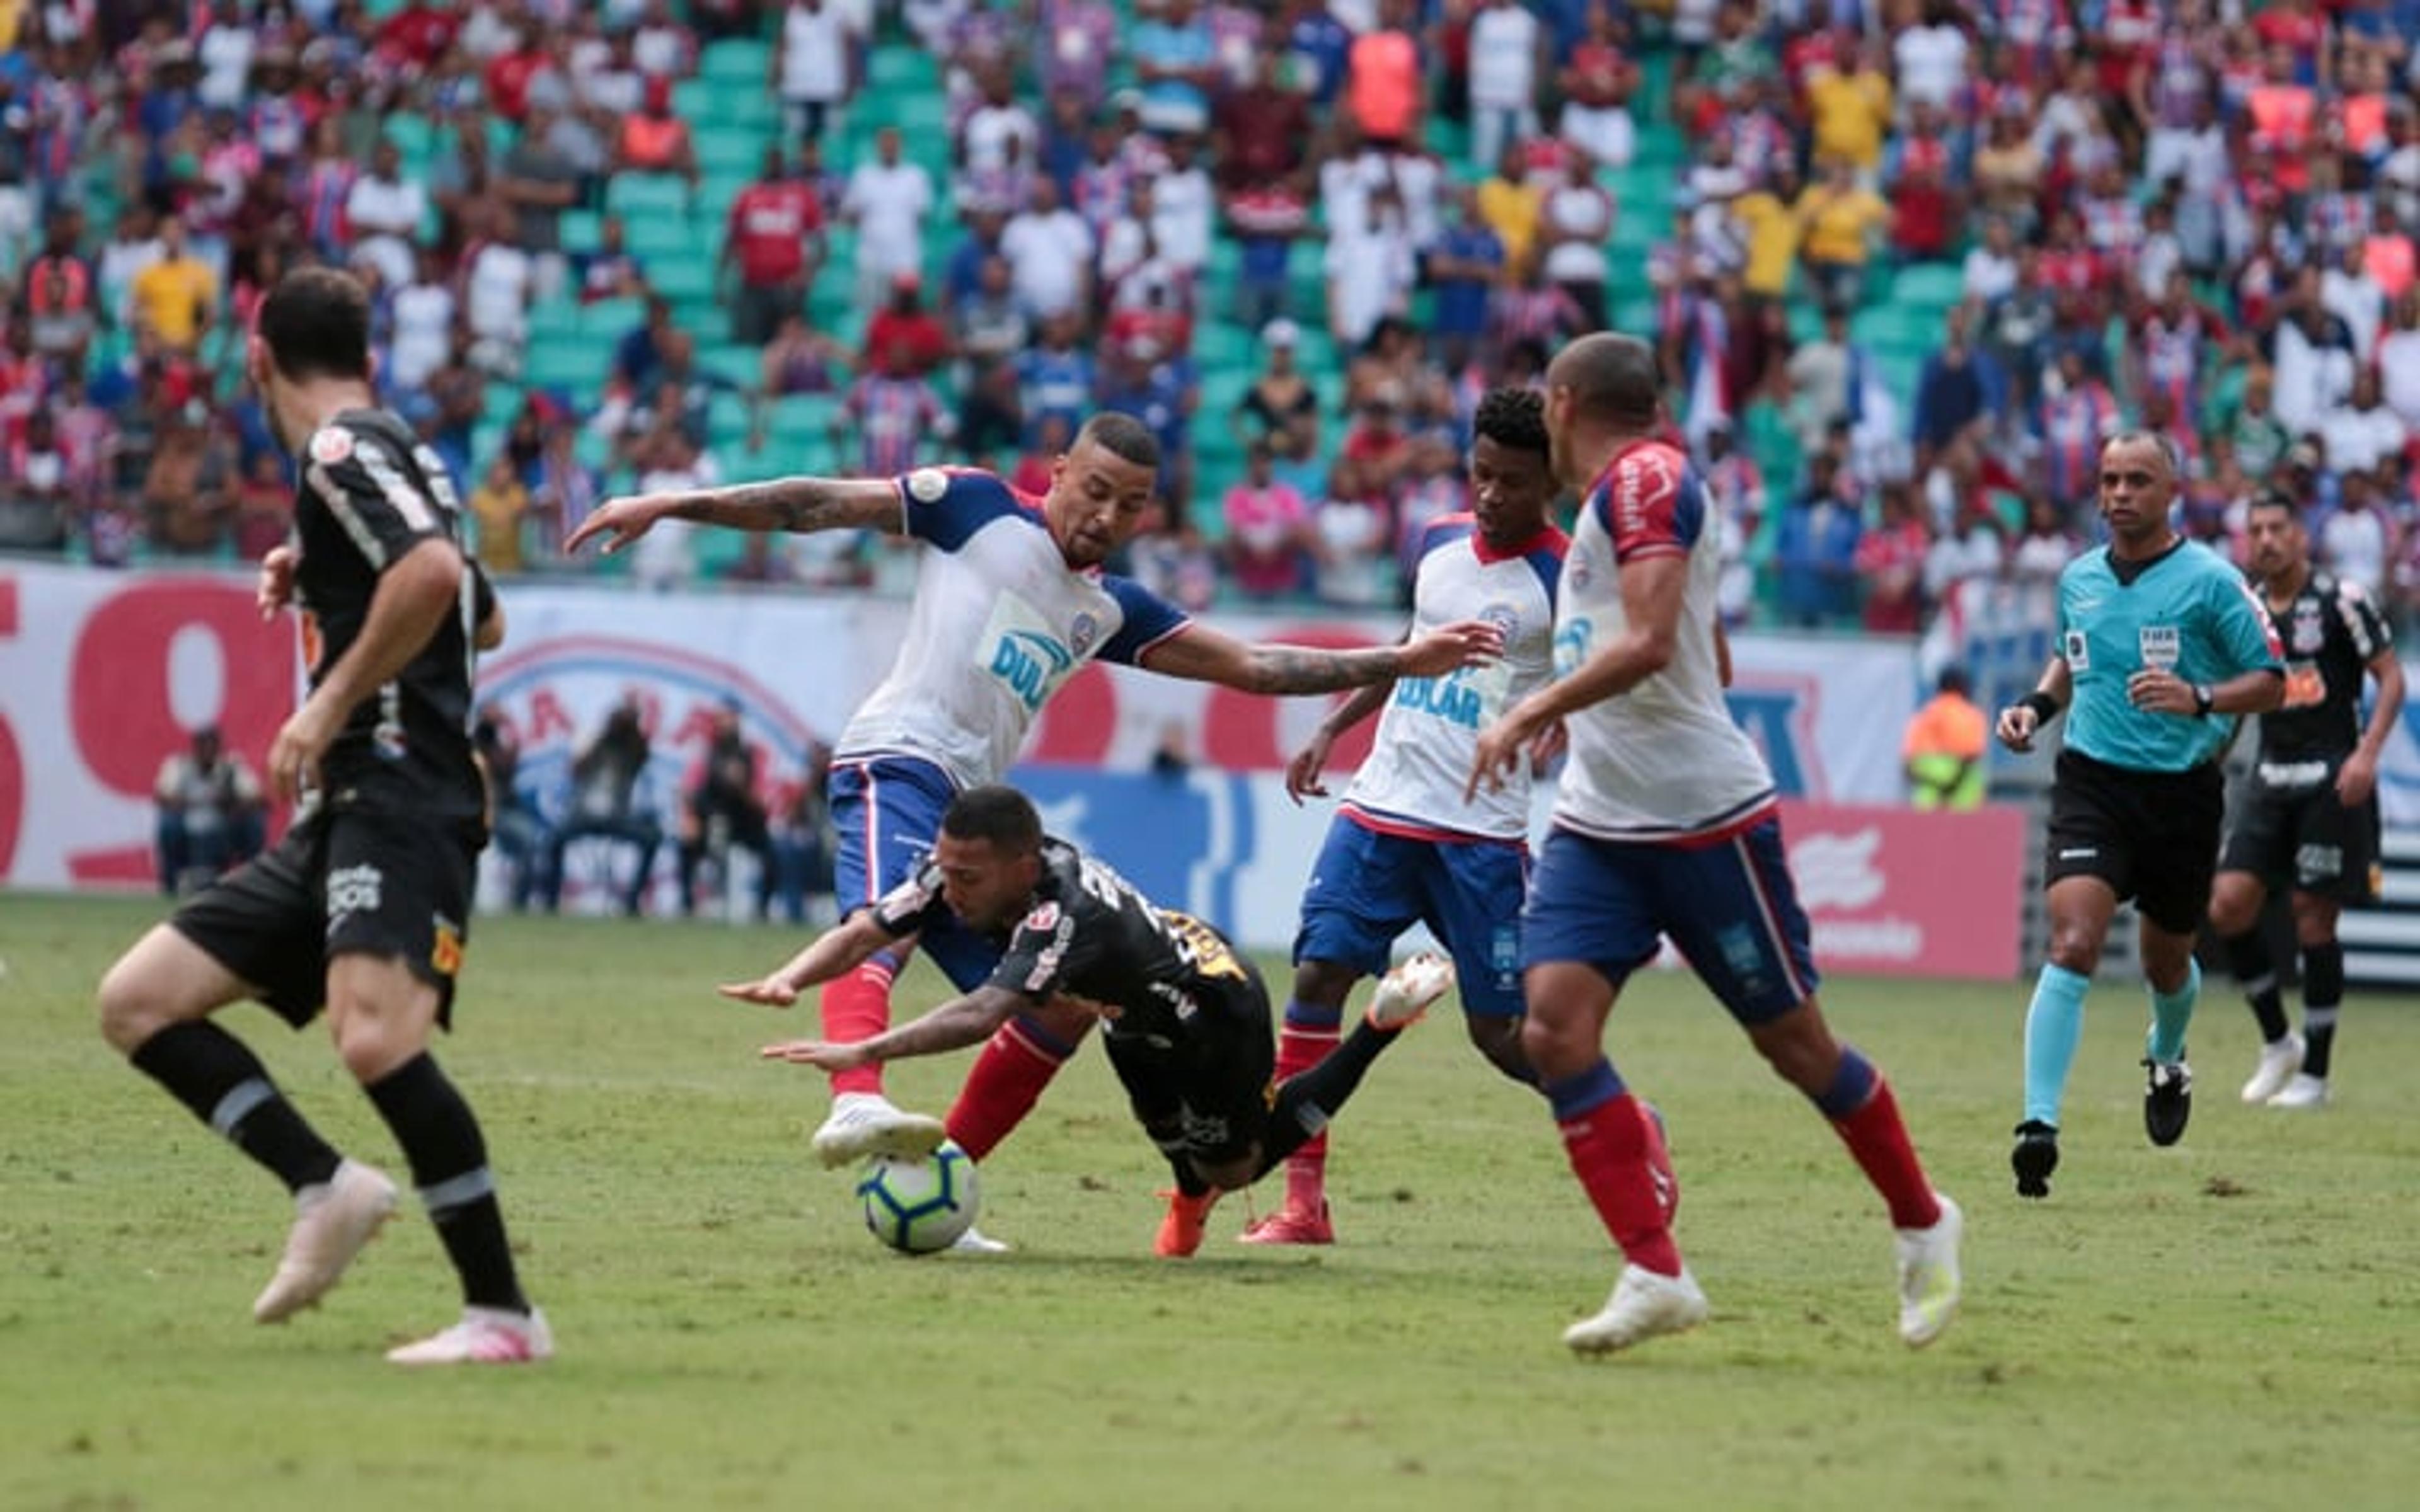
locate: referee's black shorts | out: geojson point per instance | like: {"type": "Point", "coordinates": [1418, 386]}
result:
{"type": "Point", "coordinates": [2151, 836]}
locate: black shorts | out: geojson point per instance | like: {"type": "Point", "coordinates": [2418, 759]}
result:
{"type": "Point", "coordinates": [2305, 835]}
{"type": "Point", "coordinates": [342, 883]}
{"type": "Point", "coordinates": [2151, 836]}
{"type": "Point", "coordinates": [1213, 1082]}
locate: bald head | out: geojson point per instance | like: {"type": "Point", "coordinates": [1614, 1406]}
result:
{"type": "Point", "coordinates": [1612, 379]}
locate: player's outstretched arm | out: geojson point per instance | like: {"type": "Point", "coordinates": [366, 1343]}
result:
{"type": "Point", "coordinates": [836, 952]}
{"type": "Point", "coordinates": [1652, 588]}
{"type": "Point", "coordinates": [1205, 656]}
{"type": "Point", "coordinates": [2021, 720]}
{"type": "Point", "coordinates": [953, 1025]}
{"type": "Point", "coordinates": [415, 594]}
{"type": "Point", "coordinates": [797, 505]}
{"type": "Point", "coordinates": [1302, 773]}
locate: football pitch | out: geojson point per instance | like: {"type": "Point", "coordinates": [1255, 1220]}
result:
{"type": "Point", "coordinates": [2232, 1323]}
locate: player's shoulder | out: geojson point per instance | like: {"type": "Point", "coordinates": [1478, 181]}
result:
{"type": "Point", "coordinates": [1445, 530]}
{"type": "Point", "coordinates": [354, 439]}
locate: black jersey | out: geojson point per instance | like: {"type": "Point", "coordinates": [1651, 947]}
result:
{"type": "Point", "coordinates": [369, 493]}
{"type": "Point", "coordinates": [1091, 935]}
{"type": "Point", "coordinates": [2332, 631]}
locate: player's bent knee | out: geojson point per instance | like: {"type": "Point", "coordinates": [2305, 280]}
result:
{"type": "Point", "coordinates": [1500, 1039]}
{"type": "Point", "coordinates": [1325, 983]}
{"type": "Point", "coordinates": [1556, 1049]}
{"type": "Point", "coordinates": [129, 1013]}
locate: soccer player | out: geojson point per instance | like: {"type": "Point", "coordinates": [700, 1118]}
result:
{"type": "Point", "coordinates": [365, 907]}
{"type": "Point", "coordinates": [1403, 847]}
{"type": "Point", "coordinates": [1185, 1018]}
{"type": "Point", "coordinates": [1010, 602]}
{"type": "Point", "coordinates": [2159, 646]}
{"type": "Point", "coordinates": [1665, 824]}
{"type": "Point", "coordinates": [2310, 812]}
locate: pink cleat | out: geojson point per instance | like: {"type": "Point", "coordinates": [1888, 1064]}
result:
{"type": "Point", "coordinates": [485, 1335]}
{"type": "Point", "coordinates": [332, 1222]}
{"type": "Point", "coordinates": [1291, 1225]}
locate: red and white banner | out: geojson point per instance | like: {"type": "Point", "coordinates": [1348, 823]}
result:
{"type": "Point", "coordinates": [1898, 893]}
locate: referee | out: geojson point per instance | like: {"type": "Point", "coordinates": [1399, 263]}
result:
{"type": "Point", "coordinates": [2160, 645]}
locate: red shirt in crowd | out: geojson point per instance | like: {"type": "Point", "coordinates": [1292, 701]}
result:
{"type": "Point", "coordinates": [770, 222]}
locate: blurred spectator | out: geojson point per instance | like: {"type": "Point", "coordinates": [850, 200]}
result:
{"type": "Point", "coordinates": [37, 487]}
{"type": "Point", "coordinates": [1815, 552]}
{"type": "Point", "coordinates": [815, 69]}
{"type": "Point", "coordinates": [2078, 414]}
{"type": "Point", "coordinates": [1596, 82]}
{"type": "Point", "coordinates": [609, 271]}
{"type": "Point", "coordinates": [1511, 206]}
{"type": "Point", "coordinates": [1944, 746]}
{"type": "Point", "coordinates": [188, 497]}
{"type": "Point", "coordinates": [1891, 559]}
{"type": "Point", "coordinates": [1176, 58]}
{"type": "Point", "coordinates": [608, 803]}
{"type": "Point", "coordinates": [175, 297]}
{"type": "Point", "coordinates": [1972, 547]}
{"type": "Point", "coordinates": [1769, 231]}
{"type": "Point", "coordinates": [60, 301]}
{"type": "Point", "coordinates": [518, 828]}
{"type": "Point", "coordinates": [1575, 223]}
{"type": "Point", "coordinates": [383, 211]}
{"type": "Point", "coordinates": [2311, 353]}
{"type": "Point", "coordinates": [801, 360]}
{"type": "Point", "coordinates": [1507, 50]}
{"type": "Point", "coordinates": [1264, 130]}
{"type": "Point", "coordinates": [1370, 267]}
{"type": "Point", "coordinates": [1842, 220]}
{"type": "Point", "coordinates": [1049, 251]}
{"type": "Point", "coordinates": [891, 412]}
{"type": "Point", "coordinates": [210, 813]}
{"type": "Point", "coordinates": [725, 812]}
{"type": "Point", "coordinates": [1960, 391]}
{"type": "Point", "coordinates": [657, 141]}
{"type": "Point", "coordinates": [774, 240]}
{"type": "Point", "coordinates": [1266, 218]}
{"type": "Point", "coordinates": [1735, 488]}
{"type": "Point", "coordinates": [497, 507]}
{"type": "Point", "coordinates": [1463, 266]}
{"type": "Point", "coordinates": [903, 336]}
{"type": "Point", "coordinates": [1823, 379]}
{"type": "Point", "coordinates": [1177, 564]}
{"type": "Point", "coordinates": [1271, 545]}
{"type": "Point", "coordinates": [2357, 540]}
{"type": "Point", "coordinates": [499, 278]}
{"type": "Point", "coordinates": [539, 182]}
{"type": "Point", "coordinates": [802, 847]}
{"type": "Point", "coordinates": [1383, 91]}
{"type": "Point", "coordinates": [887, 201]}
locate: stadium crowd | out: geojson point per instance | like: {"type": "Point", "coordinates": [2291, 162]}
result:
{"type": "Point", "coordinates": [1906, 262]}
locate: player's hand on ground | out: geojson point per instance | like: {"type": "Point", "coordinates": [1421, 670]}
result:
{"type": "Point", "coordinates": [620, 521]}
{"type": "Point", "coordinates": [1463, 643]}
{"type": "Point", "coordinates": [294, 755]}
{"type": "Point", "coordinates": [1302, 773]}
{"type": "Point", "coordinates": [275, 588]}
{"type": "Point", "coordinates": [773, 992]}
{"type": "Point", "coordinates": [2018, 723]}
{"type": "Point", "coordinates": [820, 1053]}
{"type": "Point", "coordinates": [2161, 692]}
{"type": "Point", "coordinates": [2356, 780]}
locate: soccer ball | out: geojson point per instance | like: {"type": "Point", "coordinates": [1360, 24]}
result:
{"type": "Point", "coordinates": [919, 1206]}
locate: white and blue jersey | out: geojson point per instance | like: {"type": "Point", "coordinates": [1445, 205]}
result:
{"type": "Point", "coordinates": [1405, 848]}
{"type": "Point", "coordinates": [999, 621]}
{"type": "Point", "coordinates": [1664, 822]}
{"type": "Point", "coordinates": [1419, 761]}
{"type": "Point", "coordinates": [2185, 612]}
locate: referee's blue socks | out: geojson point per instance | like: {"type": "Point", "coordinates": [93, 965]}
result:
{"type": "Point", "coordinates": [2171, 1015]}
{"type": "Point", "coordinates": [2054, 1022]}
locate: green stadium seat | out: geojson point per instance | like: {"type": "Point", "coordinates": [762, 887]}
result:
{"type": "Point", "coordinates": [647, 196]}
{"type": "Point", "coordinates": [1929, 285]}
{"type": "Point", "coordinates": [737, 61]}
{"type": "Point", "coordinates": [742, 365]}
{"type": "Point", "coordinates": [611, 318]}
{"type": "Point", "coordinates": [577, 364]}
{"type": "Point", "coordinates": [726, 149]}
{"type": "Point", "coordinates": [581, 230]}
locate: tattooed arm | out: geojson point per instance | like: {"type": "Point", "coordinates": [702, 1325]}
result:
{"type": "Point", "coordinates": [797, 505]}
{"type": "Point", "coordinates": [1205, 656]}
{"type": "Point", "coordinates": [953, 1025]}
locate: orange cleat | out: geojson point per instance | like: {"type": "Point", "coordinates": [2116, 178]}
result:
{"type": "Point", "coordinates": [1180, 1232]}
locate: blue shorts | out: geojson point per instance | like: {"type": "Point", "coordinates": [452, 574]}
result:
{"type": "Point", "coordinates": [1368, 888]}
{"type": "Point", "coordinates": [886, 811]}
{"type": "Point", "coordinates": [1728, 908]}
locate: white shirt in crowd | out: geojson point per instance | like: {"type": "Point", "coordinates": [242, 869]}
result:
{"type": "Point", "coordinates": [1932, 64]}
{"type": "Point", "coordinates": [1504, 59]}
{"type": "Point", "coordinates": [2399, 371]}
{"type": "Point", "coordinates": [815, 56]}
{"type": "Point", "coordinates": [988, 132]}
{"type": "Point", "coordinates": [386, 215]}
{"type": "Point", "coordinates": [888, 206]}
{"type": "Point", "coordinates": [423, 333]}
{"type": "Point", "coordinates": [1048, 253]}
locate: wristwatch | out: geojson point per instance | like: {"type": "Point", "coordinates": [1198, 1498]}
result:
{"type": "Point", "coordinates": [2204, 700]}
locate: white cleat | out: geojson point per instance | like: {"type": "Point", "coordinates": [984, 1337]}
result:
{"type": "Point", "coordinates": [1405, 993]}
{"type": "Point", "coordinates": [974, 1241]}
{"type": "Point", "coordinates": [1928, 1276]}
{"type": "Point", "coordinates": [2279, 1063]}
{"type": "Point", "coordinates": [2304, 1091]}
{"type": "Point", "coordinates": [485, 1335]}
{"type": "Point", "coordinates": [332, 1222]}
{"type": "Point", "coordinates": [864, 1124]}
{"type": "Point", "coordinates": [1643, 1305]}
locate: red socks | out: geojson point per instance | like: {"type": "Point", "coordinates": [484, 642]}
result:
{"type": "Point", "coordinates": [1299, 1051]}
{"type": "Point", "coordinates": [1878, 1138]}
{"type": "Point", "coordinates": [858, 1007]}
{"type": "Point", "coordinates": [1007, 1079]}
{"type": "Point", "coordinates": [1611, 1147]}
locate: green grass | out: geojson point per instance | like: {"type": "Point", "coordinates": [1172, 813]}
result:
{"type": "Point", "coordinates": [2232, 1323]}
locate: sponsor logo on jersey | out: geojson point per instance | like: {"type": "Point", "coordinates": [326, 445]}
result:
{"type": "Point", "coordinates": [445, 953]}
{"type": "Point", "coordinates": [927, 485]}
{"type": "Point", "coordinates": [1045, 916]}
{"type": "Point", "coordinates": [1572, 644]}
{"type": "Point", "coordinates": [1082, 633]}
{"type": "Point", "coordinates": [354, 890]}
{"type": "Point", "coordinates": [1019, 649]}
{"type": "Point", "coordinates": [2075, 651]}
{"type": "Point", "coordinates": [1448, 698]}
{"type": "Point", "coordinates": [2309, 634]}
{"type": "Point", "coordinates": [1506, 619]}
{"type": "Point", "coordinates": [331, 444]}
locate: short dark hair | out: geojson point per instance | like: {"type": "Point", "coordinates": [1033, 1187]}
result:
{"type": "Point", "coordinates": [1121, 436]}
{"type": "Point", "coordinates": [994, 812]}
{"type": "Point", "coordinates": [316, 323]}
{"type": "Point", "coordinates": [1512, 417]}
{"type": "Point", "coordinates": [1611, 376]}
{"type": "Point", "coordinates": [2272, 499]}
